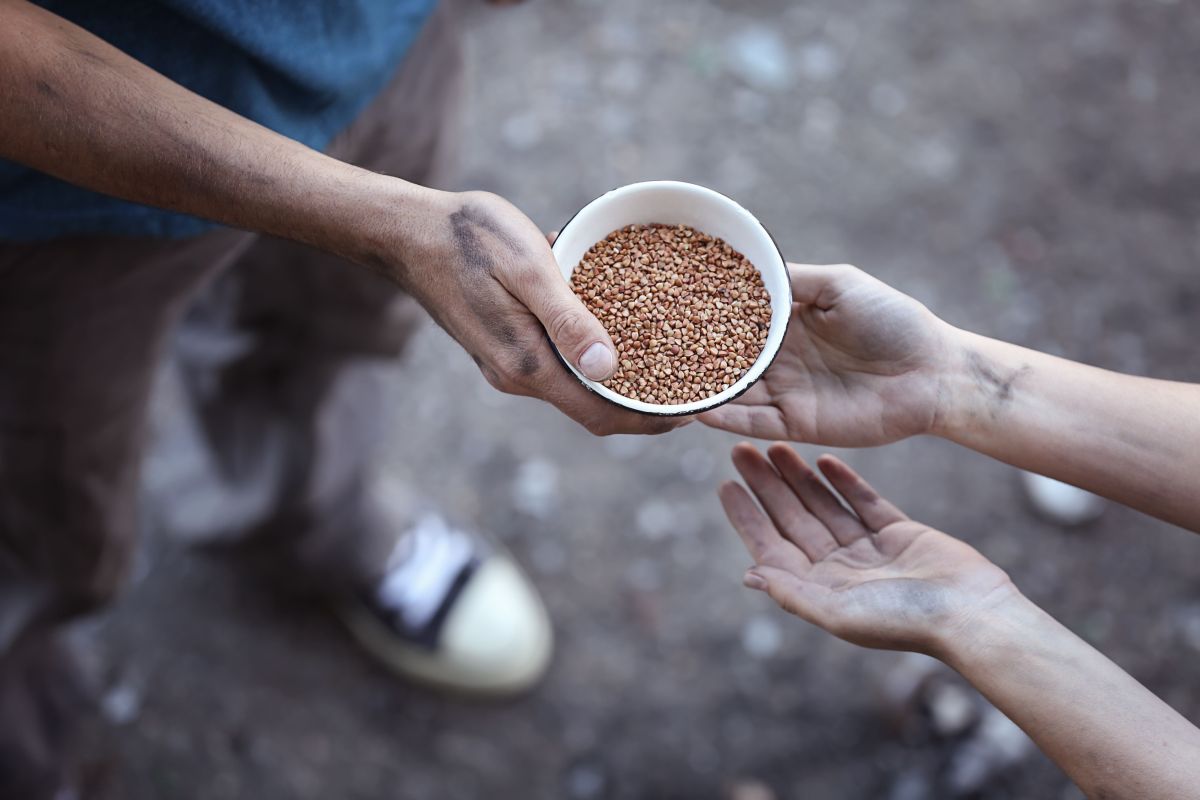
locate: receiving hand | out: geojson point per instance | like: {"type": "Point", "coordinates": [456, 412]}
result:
{"type": "Point", "coordinates": [486, 274]}
{"type": "Point", "coordinates": [859, 367]}
{"type": "Point", "coordinates": [870, 576]}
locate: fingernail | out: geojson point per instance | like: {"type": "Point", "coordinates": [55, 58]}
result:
{"type": "Point", "coordinates": [597, 362]}
{"type": "Point", "coordinates": [752, 580]}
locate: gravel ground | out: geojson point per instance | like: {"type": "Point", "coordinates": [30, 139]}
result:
{"type": "Point", "coordinates": [1027, 169]}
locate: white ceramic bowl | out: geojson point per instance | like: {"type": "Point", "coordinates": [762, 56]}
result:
{"type": "Point", "coordinates": [676, 203]}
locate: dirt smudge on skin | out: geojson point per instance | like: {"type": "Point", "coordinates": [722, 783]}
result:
{"type": "Point", "coordinates": [997, 383]}
{"type": "Point", "coordinates": [530, 363]}
{"type": "Point", "coordinates": [467, 226]}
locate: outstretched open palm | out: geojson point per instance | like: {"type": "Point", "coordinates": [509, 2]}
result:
{"type": "Point", "coordinates": [870, 576]}
{"type": "Point", "coordinates": [859, 366]}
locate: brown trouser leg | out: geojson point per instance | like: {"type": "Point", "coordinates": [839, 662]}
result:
{"type": "Point", "coordinates": [83, 323]}
{"type": "Point", "coordinates": [279, 359]}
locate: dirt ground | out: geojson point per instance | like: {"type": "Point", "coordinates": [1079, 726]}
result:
{"type": "Point", "coordinates": [1027, 169]}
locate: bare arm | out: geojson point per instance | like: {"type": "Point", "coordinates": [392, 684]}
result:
{"type": "Point", "coordinates": [1113, 736]}
{"type": "Point", "coordinates": [83, 111]}
{"type": "Point", "coordinates": [864, 365]}
{"type": "Point", "coordinates": [1134, 440]}
{"type": "Point", "coordinates": [78, 108]}
{"type": "Point", "coordinates": [878, 579]}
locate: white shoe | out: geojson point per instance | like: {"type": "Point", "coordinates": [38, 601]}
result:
{"type": "Point", "coordinates": [454, 612]}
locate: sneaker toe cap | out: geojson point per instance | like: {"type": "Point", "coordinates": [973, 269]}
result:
{"type": "Point", "coordinates": [498, 635]}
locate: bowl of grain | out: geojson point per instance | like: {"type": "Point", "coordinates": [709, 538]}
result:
{"type": "Point", "coordinates": [690, 286]}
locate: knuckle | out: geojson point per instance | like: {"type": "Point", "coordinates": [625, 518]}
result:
{"type": "Point", "coordinates": [502, 376]}
{"type": "Point", "coordinates": [566, 326]}
{"type": "Point", "coordinates": [509, 376]}
{"type": "Point", "coordinates": [599, 429]}
{"type": "Point", "coordinates": [864, 495]}
{"type": "Point", "coordinates": [494, 379]}
{"type": "Point", "coordinates": [524, 274]}
{"type": "Point", "coordinates": [501, 385]}
{"type": "Point", "coordinates": [657, 426]}
{"type": "Point", "coordinates": [479, 195]}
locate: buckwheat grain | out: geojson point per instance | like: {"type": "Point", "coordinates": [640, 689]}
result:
{"type": "Point", "coordinates": [688, 314]}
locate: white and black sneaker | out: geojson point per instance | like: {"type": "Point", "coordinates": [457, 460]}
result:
{"type": "Point", "coordinates": [453, 611]}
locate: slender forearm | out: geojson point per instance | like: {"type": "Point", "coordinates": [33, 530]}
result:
{"type": "Point", "coordinates": [1108, 732]}
{"type": "Point", "coordinates": [1134, 440]}
{"type": "Point", "coordinates": [79, 109]}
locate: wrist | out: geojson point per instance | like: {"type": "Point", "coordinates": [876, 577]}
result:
{"type": "Point", "coordinates": [999, 627]}
{"type": "Point", "coordinates": [395, 226]}
{"type": "Point", "coordinates": [978, 381]}
{"type": "Point", "coordinates": [947, 377]}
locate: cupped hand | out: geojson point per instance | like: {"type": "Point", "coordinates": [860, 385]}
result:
{"type": "Point", "coordinates": [860, 366]}
{"type": "Point", "coordinates": [486, 274]}
{"type": "Point", "coordinates": [868, 575]}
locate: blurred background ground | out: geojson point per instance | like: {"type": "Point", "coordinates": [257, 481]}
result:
{"type": "Point", "coordinates": [1027, 169]}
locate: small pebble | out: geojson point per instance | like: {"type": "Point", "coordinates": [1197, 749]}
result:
{"type": "Point", "coordinates": [761, 57]}
{"type": "Point", "coordinates": [535, 488]}
{"type": "Point", "coordinates": [749, 789]}
{"type": "Point", "coordinates": [122, 704]}
{"type": "Point", "coordinates": [1060, 502]}
{"type": "Point", "coordinates": [586, 781]}
{"type": "Point", "coordinates": [995, 746]}
{"type": "Point", "coordinates": [655, 519]}
{"type": "Point", "coordinates": [761, 637]}
{"type": "Point", "coordinates": [952, 708]}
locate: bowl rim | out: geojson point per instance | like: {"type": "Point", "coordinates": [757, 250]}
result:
{"type": "Point", "coordinates": [770, 358]}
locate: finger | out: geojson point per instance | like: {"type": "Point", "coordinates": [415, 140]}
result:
{"type": "Point", "coordinates": [757, 422]}
{"type": "Point", "coordinates": [784, 508]}
{"type": "Point", "coordinates": [526, 365]}
{"type": "Point", "coordinates": [819, 284]}
{"type": "Point", "coordinates": [844, 526]}
{"type": "Point", "coordinates": [760, 537]}
{"type": "Point", "coordinates": [563, 390]}
{"type": "Point", "coordinates": [876, 512]}
{"type": "Point", "coordinates": [602, 418]}
{"type": "Point", "coordinates": [551, 237]}
{"type": "Point", "coordinates": [794, 595]}
{"type": "Point", "coordinates": [577, 334]}
{"type": "Point", "coordinates": [756, 395]}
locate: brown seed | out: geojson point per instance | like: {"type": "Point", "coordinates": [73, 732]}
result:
{"type": "Point", "coordinates": [687, 313]}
